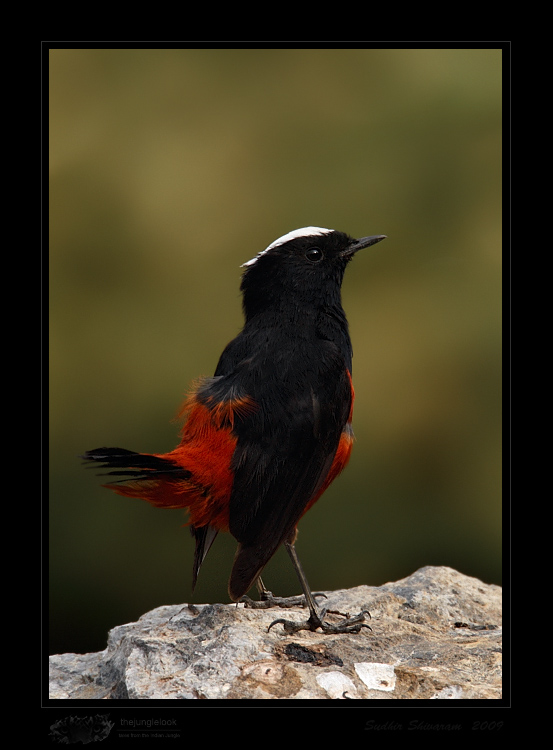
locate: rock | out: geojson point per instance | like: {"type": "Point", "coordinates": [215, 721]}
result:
{"type": "Point", "coordinates": [435, 634]}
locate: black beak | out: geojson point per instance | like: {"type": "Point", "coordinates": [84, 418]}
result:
{"type": "Point", "coordinates": [363, 242]}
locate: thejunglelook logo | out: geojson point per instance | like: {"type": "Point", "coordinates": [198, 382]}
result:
{"type": "Point", "coordinates": [83, 729]}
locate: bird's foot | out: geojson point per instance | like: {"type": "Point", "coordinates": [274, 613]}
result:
{"type": "Point", "coordinates": [315, 621]}
{"type": "Point", "coordinates": [268, 600]}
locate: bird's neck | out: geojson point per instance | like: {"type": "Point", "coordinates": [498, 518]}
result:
{"type": "Point", "coordinates": [325, 320]}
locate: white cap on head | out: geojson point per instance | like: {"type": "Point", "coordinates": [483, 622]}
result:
{"type": "Point", "coordinates": [303, 232]}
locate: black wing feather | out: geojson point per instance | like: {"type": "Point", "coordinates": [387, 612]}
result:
{"type": "Point", "coordinates": [284, 451]}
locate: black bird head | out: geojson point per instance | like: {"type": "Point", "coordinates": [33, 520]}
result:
{"type": "Point", "coordinates": [304, 267]}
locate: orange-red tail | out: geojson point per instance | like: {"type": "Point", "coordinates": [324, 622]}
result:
{"type": "Point", "coordinates": [196, 475]}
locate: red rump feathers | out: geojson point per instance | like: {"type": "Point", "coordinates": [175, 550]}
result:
{"type": "Point", "coordinates": [197, 474]}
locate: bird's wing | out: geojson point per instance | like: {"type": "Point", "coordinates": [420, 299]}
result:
{"type": "Point", "coordinates": [287, 441]}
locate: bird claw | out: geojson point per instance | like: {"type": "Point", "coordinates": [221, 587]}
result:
{"type": "Point", "coordinates": [349, 625]}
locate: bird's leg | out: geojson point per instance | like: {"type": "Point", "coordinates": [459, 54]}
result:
{"type": "Point", "coordinates": [315, 620]}
{"type": "Point", "coordinates": [267, 599]}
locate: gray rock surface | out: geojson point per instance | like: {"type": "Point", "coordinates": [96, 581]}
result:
{"type": "Point", "coordinates": [435, 634]}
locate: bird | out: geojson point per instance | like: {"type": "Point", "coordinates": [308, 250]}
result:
{"type": "Point", "coordinates": [265, 436]}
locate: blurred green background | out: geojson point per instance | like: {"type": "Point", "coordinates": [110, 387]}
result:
{"type": "Point", "coordinates": [171, 167]}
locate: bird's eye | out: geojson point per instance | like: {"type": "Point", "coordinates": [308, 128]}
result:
{"type": "Point", "coordinates": [314, 254]}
